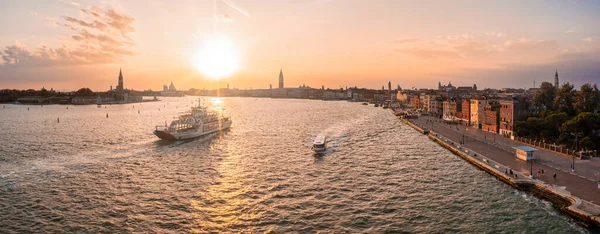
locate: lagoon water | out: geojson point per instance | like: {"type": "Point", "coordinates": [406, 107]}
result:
{"type": "Point", "coordinates": [88, 173]}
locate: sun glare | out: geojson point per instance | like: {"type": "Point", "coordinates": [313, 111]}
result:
{"type": "Point", "coordinates": [217, 57]}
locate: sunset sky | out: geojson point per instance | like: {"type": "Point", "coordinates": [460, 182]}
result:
{"type": "Point", "coordinates": [68, 44]}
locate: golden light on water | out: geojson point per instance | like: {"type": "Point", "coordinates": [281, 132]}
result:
{"type": "Point", "coordinates": [216, 101]}
{"type": "Point", "coordinates": [216, 104]}
{"type": "Point", "coordinates": [217, 57]}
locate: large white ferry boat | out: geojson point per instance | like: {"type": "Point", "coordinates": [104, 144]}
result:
{"type": "Point", "coordinates": [201, 121]}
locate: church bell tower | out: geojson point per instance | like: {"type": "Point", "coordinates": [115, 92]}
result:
{"type": "Point", "coordinates": [281, 79]}
{"type": "Point", "coordinates": [119, 94]}
{"type": "Point", "coordinates": [556, 80]}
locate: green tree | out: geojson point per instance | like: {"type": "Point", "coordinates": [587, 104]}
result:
{"type": "Point", "coordinates": [44, 92]}
{"type": "Point", "coordinates": [554, 121]}
{"type": "Point", "coordinates": [586, 100]}
{"type": "Point", "coordinates": [86, 92]}
{"type": "Point", "coordinates": [590, 142]}
{"type": "Point", "coordinates": [565, 97]}
{"type": "Point", "coordinates": [564, 138]}
{"type": "Point", "coordinates": [536, 125]}
{"type": "Point", "coordinates": [545, 97]}
{"type": "Point", "coordinates": [583, 125]}
{"type": "Point", "coordinates": [522, 129]}
{"type": "Point", "coordinates": [596, 96]}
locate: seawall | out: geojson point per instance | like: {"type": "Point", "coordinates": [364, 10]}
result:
{"type": "Point", "coordinates": [564, 201]}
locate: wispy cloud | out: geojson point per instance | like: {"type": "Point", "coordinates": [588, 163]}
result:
{"type": "Point", "coordinates": [527, 45]}
{"type": "Point", "coordinates": [457, 37]}
{"type": "Point", "coordinates": [236, 7]}
{"type": "Point", "coordinates": [34, 13]}
{"type": "Point", "coordinates": [463, 47]}
{"type": "Point", "coordinates": [494, 34]}
{"type": "Point", "coordinates": [430, 54]}
{"type": "Point", "coordinates": [582, 67]}
{"type": "Point", "coordinates": [406, 40]}
{"type": "Point", "coordinates": [69, 3]}
{"type": "Point", "coordinates": [588, 39]}
{"type": "Point", "coordinates": [570, 31]}
{"type": "Point", "coordinates": [101, 39]}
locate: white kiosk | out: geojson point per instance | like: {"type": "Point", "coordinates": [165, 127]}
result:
{"type": "Point", "coordinates": [525, 153]}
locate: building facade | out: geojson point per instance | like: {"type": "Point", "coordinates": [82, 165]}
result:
{"type": "Point", "coordinates": [445, 88]}
{"type": "Point", "coordinates": [474, 115]}
{"type": "Point", "coordinates": [435, 106]}
{"type": "Point", "coordinates": [171, 91]}
{"type": "Point", "coordinates": [491, 117]}
{"type": "Point", "coordinates": [511, 111]}
{"type": "Point", "coordinates": [424, 102]}
{"type": "Point", "coordinates": [456, 108]}
{"type": "Point", "coordinates": [477, 108]}
{"type": "Point", "coordinates": [446, 114]}
{"type": "Point", "coordinates": [414, 101]}
{"type": "Point", "coordinates": [466, 112]}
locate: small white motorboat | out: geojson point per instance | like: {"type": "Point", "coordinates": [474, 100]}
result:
{"type": "Point", "coordinates": [320, 144]}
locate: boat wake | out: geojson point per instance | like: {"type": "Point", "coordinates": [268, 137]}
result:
{"type": "Point", "coordinates": [337, 133]}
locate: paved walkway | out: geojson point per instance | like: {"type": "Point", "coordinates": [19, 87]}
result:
{"type": "Point", "coordinates": [589, 169]}
{"type": "Point", "coordinates": [502, 152]}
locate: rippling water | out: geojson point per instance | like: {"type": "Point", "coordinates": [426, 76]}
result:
{"type": "Point", "coordinates": [89, 173]}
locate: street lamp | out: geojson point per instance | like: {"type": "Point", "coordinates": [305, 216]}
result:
{"type": "Point", "coordinates": [573, 167]}
{"type": "Point", "coordinates": [531, 169]}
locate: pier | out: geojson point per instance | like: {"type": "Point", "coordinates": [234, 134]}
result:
{"type": "Point", "coordinates": [575, 193]}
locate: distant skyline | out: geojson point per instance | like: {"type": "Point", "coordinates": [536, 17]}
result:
{"type": "Point", "coordinates": [68, 44]}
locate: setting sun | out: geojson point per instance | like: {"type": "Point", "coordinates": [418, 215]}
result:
{"type": "Point", "coordinates": [217, 57]}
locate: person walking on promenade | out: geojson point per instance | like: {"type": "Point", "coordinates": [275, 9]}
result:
{"type": "Point", "coordinates": [511, 173]}
{"type": "Point", "coordinates": [554, 177]}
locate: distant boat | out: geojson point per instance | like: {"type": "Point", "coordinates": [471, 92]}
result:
{"type": "Point", "coordinates": [320, 144]}
{"type": "Point", "coordinates": [364, 103]}
{"type": "Point", "coordinates": [376, 105]}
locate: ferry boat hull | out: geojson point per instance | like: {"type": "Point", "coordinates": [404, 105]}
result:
{"type": "Point", "coordinates": [186, 135]}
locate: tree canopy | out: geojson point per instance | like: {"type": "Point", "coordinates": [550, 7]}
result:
{"type": "Point", "coordinates": [84, 92]}
{"type": "Point", "coordinates": [565, 98]}
{"type": "Point", "coordinates": [546, 95]}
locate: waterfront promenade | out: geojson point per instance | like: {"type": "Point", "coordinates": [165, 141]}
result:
{"type": "Point", "coordinates": [589, 168]}
{"type": "Point", "coordinates": [581, 183]}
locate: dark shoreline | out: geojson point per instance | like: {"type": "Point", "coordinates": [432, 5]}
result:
{"type": "Point", "coordinates": [73, 104]}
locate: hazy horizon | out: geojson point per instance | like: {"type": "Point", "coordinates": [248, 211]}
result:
{"type": "Point", "coordinates": [66, 45]}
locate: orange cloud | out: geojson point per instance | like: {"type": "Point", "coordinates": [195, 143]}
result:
{"type": "Point", "coordinates": [101, 40]}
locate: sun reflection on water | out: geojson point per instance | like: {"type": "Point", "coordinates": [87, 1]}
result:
{"type": "Point", "coordinates": [225, 204]}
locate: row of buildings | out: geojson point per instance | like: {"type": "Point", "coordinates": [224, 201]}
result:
{"type": "Point", "coordinates": [113, 96]}
{"type": "Point", "coordinates": [490, 110]}
{"type": "Point", "coordinates": [304, 92]}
